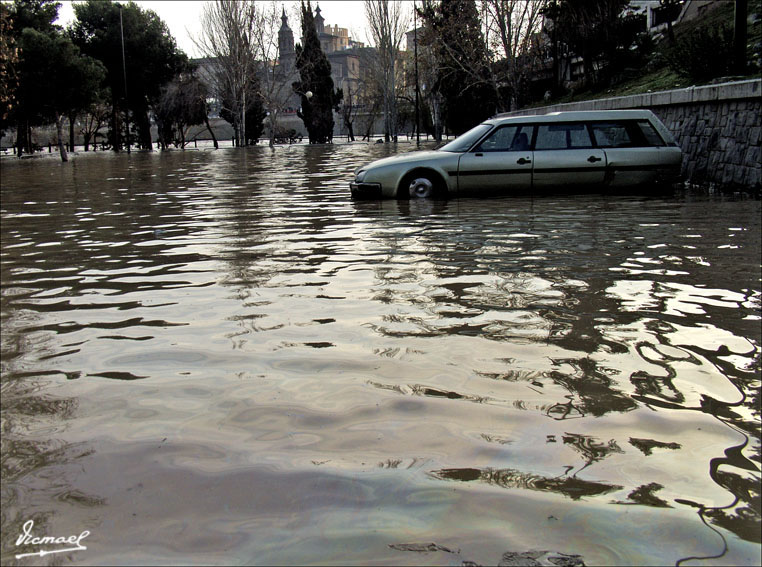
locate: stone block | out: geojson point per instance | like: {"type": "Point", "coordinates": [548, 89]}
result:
{"type": "Point", "coordinates": [734, 153]}
{"type": "Point", "coordinates": [749, 89]}
{"type": "Point", "coordinates": [682, 96]}
{"type": "Point", "coordinates": [751, 156]}
{"type": "Point", "coordinates": [726, 175]}
{"type": "Point", "coordinates": [729, 128]}
{"type": "Point", "coordinates": [739, 174]}
{"type": "Point", "coordinates": [663, 98]}
{"type": "Point", "coordinates": [754, 177]}
{"type": "Point", "coordinates": [705, 94]}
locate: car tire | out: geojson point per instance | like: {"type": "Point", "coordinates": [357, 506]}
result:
{"type": "Point", "coordinates": [420, 186]}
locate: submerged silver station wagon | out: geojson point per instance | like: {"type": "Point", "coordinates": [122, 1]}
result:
{"type": "Point", "coordinates": [571, 150]}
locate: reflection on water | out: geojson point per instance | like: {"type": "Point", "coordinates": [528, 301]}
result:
{"type": "Point", "coordinates": [218, 357]}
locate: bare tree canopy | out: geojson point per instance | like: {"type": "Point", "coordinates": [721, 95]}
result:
{"type": "Point", "coordinates": [227, 39]}
{"type": "Point", "coordinates": [275, 77]}
{"type": "Point", "coordinates": [511, 26]}
{"type": "Point", "coordinates": [387, 23]}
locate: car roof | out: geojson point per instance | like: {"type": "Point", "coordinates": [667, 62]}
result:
{"type": "Point", "coordinates": [572, 116]}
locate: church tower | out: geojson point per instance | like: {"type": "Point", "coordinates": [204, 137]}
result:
{"type": "Point", "coordinates": [286, 52]}
{"type": "Point", "coordinates": [319, 21]}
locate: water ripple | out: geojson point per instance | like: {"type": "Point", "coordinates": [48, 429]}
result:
{"type": "Point", "coordinates": [227, 336]}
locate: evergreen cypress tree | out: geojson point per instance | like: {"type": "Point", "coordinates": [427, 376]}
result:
{"type": "Point", "coordinates": [315, 76]}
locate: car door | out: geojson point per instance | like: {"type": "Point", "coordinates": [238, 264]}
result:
{"type": "Point", "coordinates": [564, 156]}
{"type": "Point", "coordinates": [501, 163]}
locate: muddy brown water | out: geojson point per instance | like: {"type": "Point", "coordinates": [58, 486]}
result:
{"type": "Point", "coordinates": [217, 357]}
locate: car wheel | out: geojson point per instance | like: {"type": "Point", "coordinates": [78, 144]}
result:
{"type": "Point", "coordinates": [421, 186]}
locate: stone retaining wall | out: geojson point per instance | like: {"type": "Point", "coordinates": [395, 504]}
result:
{"type": "Point", "coordinates": [719, 128]}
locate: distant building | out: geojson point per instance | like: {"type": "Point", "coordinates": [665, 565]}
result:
{"type": "Point", "coordinates": [658, 16]}
{"type": "Point", "coordinates": [340, 49]}
{"type": "Point", "coordinates": [410, 37]}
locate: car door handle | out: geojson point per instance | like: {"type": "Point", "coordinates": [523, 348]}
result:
{"type": "Point", "coordinates": [522, 161]}
{"type": "Point", "coordinates": [593, 159]}
{"type": "Point", "coordinates": [479, 155]}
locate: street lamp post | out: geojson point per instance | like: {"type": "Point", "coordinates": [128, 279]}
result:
{"type": "Point", "coordinates": [417, 91]}
{"type": "Point", "coordinates": [124, 73]}
{"type": "Point", "coordinates": [308, 95]}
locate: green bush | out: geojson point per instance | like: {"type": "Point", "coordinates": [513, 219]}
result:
{"type": "Point", "coordinates": [703, 54]}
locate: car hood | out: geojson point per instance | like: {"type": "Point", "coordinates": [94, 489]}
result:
{"type": "Point", "coordinates": [409, 157]}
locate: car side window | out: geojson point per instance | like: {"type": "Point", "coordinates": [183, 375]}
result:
{"type": "Point", "coordinates": [498, 141]}
{"type": "Point", "coordinates": [522, 139]}
{"type": "Point", "coordinates": [507, 139]}
{"type": "Point", "coordinates": [562, 137]}
{"type": "Point", "coordinates": [611, 135]}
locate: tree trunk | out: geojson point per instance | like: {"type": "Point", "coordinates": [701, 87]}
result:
{"type": "Point", "coordinates": [116, 126]}
{"type": "Point", "coordinates": [59, 131]}
{"type": "Point", "coordinates": [273, 118]}
{"type": "Point", "coordinates": [211, 133]}
{"type": "Point", "coordinates": [144, 130]}
{"type": "Point", "coordinates": [21, 137]}
{"type": "Point", "coordinates": [72, 117]}
{"type": "Point", "coordinates": [244, 141]}
{"type": "Point", "coordinates": [436, 117]}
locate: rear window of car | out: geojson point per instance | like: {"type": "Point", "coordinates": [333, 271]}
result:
{"type": "Point", "coordinates": [562, 137]}
{"type": "Point", "coordinates": [650, 133]}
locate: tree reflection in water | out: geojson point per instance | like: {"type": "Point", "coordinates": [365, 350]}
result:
{"type": "Point", "coordinates": [526, 292]}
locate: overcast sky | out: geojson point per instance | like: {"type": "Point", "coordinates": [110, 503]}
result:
{"type": "Point", "coordinates": [184, 17]}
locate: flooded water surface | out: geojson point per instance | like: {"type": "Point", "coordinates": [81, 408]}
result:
{"type": "Point", "coordinates": [217, 357]}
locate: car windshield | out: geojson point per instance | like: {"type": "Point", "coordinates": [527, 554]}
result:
{"type": "Point", "coordinates": [465, 141]}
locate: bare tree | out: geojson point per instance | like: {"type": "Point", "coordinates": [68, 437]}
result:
{"type": "Point", "coordinates": [227, 39]}
{"type": "Point", "coordinates": [428, 77]}
{"type": "Point", "coordinates": [349, 111]}
{"type": "Point", "coordinates": [387, 23]}
{"type": "Point", "coordinates": [367, 101]}
{"type": "Point", "coordinates": [465, 87]}
{"type": "Point", "coordinates": [275, 78]}
{"type": "Point", "coordinates": [510, 27]}
{"type": "Point", "coordinates": [94, 118]}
